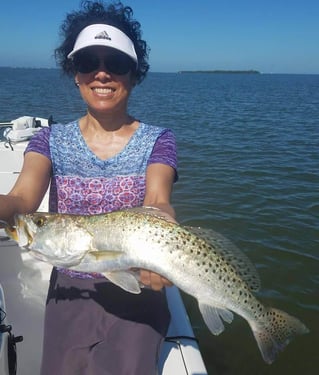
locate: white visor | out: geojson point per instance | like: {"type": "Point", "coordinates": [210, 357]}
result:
{"type": "Point", "coordinates": [104, 35]}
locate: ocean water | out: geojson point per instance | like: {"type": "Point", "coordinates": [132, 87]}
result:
{"type": "Point", "coordinates": [248, 168]}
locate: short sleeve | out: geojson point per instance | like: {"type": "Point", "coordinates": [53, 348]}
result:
{"type": "Point", "coordinates": [40, 143]}
{"type": "Point", "coordinates": [165, 150]}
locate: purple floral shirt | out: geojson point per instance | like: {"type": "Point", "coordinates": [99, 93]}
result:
{"type": "Point", "coordinates": [83, 184]}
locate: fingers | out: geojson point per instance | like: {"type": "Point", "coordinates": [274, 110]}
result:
{"type": "Point", "coordinates": [155, 281]}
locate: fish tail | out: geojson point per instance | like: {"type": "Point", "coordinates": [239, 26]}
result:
{"type": "Point", "coordinates": [274, 332]}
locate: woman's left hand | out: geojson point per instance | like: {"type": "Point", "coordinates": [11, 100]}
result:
{"type": "Point", "coordinates": [153, 280]}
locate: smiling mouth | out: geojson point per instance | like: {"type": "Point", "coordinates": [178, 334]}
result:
{"type": "Point", "coordinates": [103, 91]}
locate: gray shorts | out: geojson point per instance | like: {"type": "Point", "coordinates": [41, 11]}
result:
{"type": "Point", "coordinates": [93, 327]}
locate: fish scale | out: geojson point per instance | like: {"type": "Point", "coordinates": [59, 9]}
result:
{"type": "Point", "coordinates": [201, 262]}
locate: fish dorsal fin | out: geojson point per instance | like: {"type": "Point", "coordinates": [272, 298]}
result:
{"type": "Point", "coordinates": [231, 254]}
{"type": "Point", "coordinates": [125, 280]}
{"type": "Point", "coordinates": [213, 316]}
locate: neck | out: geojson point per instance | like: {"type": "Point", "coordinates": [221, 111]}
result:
{"type": "Point", "coordinates": [107, 136]}
{"type": "Point", "coordinates": [106, 122]}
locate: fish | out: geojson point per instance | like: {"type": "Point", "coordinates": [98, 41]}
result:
{"type": "Point", "coordinates": [199, 261]}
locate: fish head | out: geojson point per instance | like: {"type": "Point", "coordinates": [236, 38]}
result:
{"type": "Point", "coordinates": [54, 238]}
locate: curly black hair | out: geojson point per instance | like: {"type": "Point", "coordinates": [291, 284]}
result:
{"type": "Point", "coordinates": [94, 12]}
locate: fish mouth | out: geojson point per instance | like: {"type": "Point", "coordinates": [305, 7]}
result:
{"type": "Point", "coordinates": [12, 232]}
{"type": "Point", "coordinates": [21, 233]}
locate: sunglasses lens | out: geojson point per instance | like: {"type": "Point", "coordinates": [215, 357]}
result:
{"type": "Point", "coordinates": [85, 62]}
{"type": "Point", "coordinates": [117, 63]}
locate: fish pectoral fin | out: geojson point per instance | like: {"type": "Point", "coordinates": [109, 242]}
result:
{"type": "Point", "coordinates": [124, 280]}
{"type": "Point", "coordinates": [105, 255]}
{"type": "Point", "coordinates": [213, 316]}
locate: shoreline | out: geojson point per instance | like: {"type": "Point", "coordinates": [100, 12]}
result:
{"type": "Point", "coordinates": [221, 71]}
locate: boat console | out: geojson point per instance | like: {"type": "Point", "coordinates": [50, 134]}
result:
{"type": "Point", "coordinates": [22, 128]}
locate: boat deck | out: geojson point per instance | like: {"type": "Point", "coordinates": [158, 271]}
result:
{"type": "Point", "coordinates": [25, 283]}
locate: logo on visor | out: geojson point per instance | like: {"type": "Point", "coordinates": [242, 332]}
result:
{"type": "Point", "coordinates": [102, 35]}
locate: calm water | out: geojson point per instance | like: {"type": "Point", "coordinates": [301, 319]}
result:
{"type": "Point", "coordinates": [249, 159]}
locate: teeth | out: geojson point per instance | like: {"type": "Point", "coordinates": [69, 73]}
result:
{"type": "Point", "coordinates": [100, 90]}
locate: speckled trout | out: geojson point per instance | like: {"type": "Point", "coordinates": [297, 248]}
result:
{"type": "Point", "coordinates": [200, 262]}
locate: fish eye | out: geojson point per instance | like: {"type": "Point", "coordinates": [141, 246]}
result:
{"type": "Point", "coordinates": [39, 221]}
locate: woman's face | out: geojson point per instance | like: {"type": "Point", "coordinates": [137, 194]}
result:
{"type": "Point", "coordinates": [105, 79]}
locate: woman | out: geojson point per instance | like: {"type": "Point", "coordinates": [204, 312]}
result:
{"type": "Point", "coordinates": [105, 161]}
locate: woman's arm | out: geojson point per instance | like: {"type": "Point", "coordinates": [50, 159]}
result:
{"type": "Point", "coordinates": [159, 185]}
{"type": "Point", "coordinates": [29, 189]}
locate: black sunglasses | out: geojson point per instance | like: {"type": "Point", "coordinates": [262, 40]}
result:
{"type": "Point", "coordinates": [116, 63]}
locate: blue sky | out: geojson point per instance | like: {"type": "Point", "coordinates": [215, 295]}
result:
{"type": "Point", "coordinates": [272, 36]}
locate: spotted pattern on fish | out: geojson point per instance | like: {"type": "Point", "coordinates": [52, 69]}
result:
{"type": "Point", "coordinates": [201, 262]}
